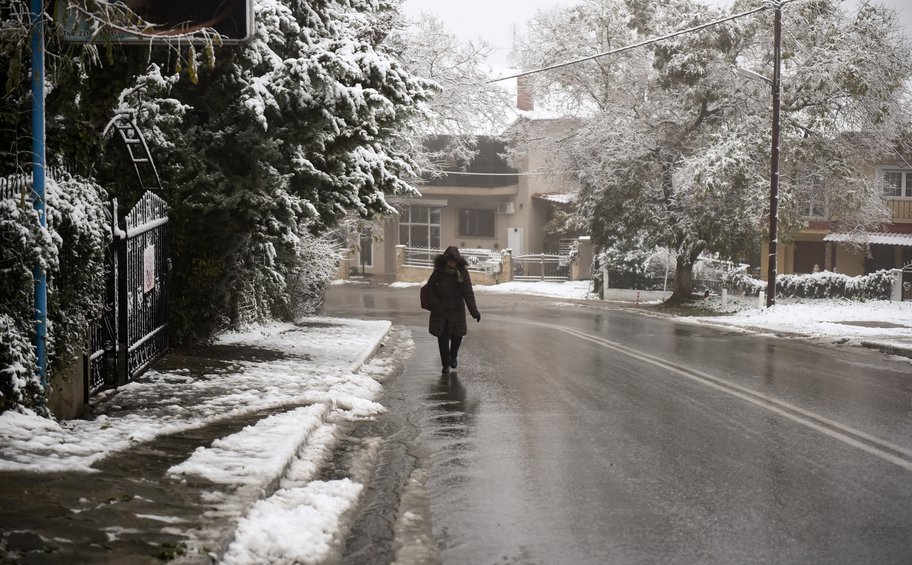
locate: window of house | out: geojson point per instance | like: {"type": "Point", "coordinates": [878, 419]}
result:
{"type": "Point", "coordinates": [896, 183]}
{"type": "Point", "coordinates": [419, 226]}
{"type": "Point", "coordinates": [815, 198]}
{"type": "Point", "coordinates": [476, 223]}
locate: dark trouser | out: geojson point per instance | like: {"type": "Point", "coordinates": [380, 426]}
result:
{"type": "Point", "coordinates": [448, 345]}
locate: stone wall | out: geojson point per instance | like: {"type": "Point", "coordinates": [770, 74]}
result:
{"type": "Point", "coordinates": [67, 389]}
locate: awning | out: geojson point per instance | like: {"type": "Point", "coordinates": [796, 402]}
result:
{"type": "Point", "coordinates": [871, 238]}
{"type": "Point", "coordinates": [562, 198]}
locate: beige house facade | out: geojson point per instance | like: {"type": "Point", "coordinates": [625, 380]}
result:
{"type": "Point", "coordinates": [484, 205]}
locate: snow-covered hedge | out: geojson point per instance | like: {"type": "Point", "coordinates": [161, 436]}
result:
{"type": "Point", "coordinates": [826, 284]}
{"type": "Point", "coordinates": [286, 282]}
{"type": "Point", "coordinates": [71, 249]}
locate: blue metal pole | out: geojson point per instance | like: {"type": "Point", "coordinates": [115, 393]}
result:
{"type": "Point", "coordinates": [38, 182]}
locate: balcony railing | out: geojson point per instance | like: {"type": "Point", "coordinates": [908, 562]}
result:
{"type": "Point", "coordinates": [901, 207]}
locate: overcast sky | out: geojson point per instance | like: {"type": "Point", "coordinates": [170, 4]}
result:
{"type": "Point", "coordinates": [495, 20]}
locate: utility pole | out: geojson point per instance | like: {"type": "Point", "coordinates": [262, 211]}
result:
{"type": "Point", "coordinates": [38, 179]}
{"type": "Point", "coordinates": [774, 158]}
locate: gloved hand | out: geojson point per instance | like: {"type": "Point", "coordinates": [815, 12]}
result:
{"type": "Point", "coordinates": [477, 318]}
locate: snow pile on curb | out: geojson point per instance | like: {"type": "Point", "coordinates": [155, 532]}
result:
{"type": "Point", "coordinates": [316, 362]}
{"type": "Point", "coordinates": [880, 319]}
{"type": "Point", "coordinates": [262, 450]}
{"type": "Point", "coordinates": [299, 525]}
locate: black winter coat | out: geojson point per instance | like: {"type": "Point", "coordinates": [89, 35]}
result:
{"type": "Point", "coordinates": [449, 298]}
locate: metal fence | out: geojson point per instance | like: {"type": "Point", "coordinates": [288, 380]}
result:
{"type": "Point", "coordinates": [476, 258]}
{"type": "Point", "coordinates": [541, 267]}
{"type": "Point", "coordinates": [20, 184]}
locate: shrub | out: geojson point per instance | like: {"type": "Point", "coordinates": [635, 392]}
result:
{"type": "Point", "coordinates": [71, 250]}
{"type": "Point", "coordinates": [826, 284]}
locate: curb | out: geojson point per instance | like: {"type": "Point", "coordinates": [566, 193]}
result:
{"type": "Point", "coordinates": [365, 357]}
{"type": "Point", "coordinates": [888, 348]}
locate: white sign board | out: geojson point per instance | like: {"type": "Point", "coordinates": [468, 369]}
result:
{"type": "Point", "coordinates": [149, 269]}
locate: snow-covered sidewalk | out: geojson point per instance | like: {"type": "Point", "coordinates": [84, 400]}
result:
{"type": "Point", "coordinates": [877, 322]}
{"type": "Point", "coordinates": [300, 387]}
{"type": "Point", "coordinates": [315, 362]}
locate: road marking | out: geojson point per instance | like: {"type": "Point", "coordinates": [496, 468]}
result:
{"type": "Point", "coordinates": [881, 448]}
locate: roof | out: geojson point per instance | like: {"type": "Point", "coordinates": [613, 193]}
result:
{"type": "Point", "coordinates": [871, 238]}
{"type": "Point", "coordinates": [561, 198]}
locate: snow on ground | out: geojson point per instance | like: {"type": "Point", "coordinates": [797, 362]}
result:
{"type": "Point", "coordinates": [876, 320]}
{"type": "Point", "coordinates": [571, 289]}
{"type": "Point", "coordinates": [264, 449]}
{"type": "Point", "coordinates": [315, 362]}
{"type": "Point", "coordinates": [403, 284]}
{"type": "Point", "coordinates": [296, 525]}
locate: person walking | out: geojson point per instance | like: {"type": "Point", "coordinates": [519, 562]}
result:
{"type": "Point", "coordinates": [450, 293]}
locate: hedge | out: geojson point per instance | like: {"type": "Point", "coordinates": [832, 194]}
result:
{"type": "Point", "coordinates": [826, 284]}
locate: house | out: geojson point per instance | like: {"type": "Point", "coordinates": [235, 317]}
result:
{"type": "Point", "coordinates": [818, 247]}
{"type": "Point", "coordinates": [483, 204]}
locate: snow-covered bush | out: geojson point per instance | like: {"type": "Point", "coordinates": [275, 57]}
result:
{"type": "Point", "coordinates": [80, 225]}
{"type": "Point", "coordinates": [19, 384]}
{"type": "Point", "coordinates": [315, 263]}
{"type": "Point", "coordinates": [825, 284]}
{"type": "Point", "coordinates": [628, 263]}
{"type": "Point", "coordinates": [71, 250]}
{"type": "Point", "coordinates": [285, 282]}
{"type": "Point", "coordinates": [741, 281]}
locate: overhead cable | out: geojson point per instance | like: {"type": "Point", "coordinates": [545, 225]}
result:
{"type": "Point", "coordinates": [771, 4]}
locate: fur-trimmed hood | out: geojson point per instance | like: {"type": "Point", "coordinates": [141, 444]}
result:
{"type": "Point", "coordinates": [451, 252]}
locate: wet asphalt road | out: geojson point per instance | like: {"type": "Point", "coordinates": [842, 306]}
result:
{"type": "Point", "coordinates": [576, 434]}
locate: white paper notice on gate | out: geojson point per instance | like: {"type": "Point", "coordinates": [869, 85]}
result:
{"type": "Point", "coordinates": [149, 269]}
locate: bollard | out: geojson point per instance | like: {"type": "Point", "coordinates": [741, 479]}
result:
{"type": "Point", "coordinates": [638, 298]}
{"type": "Point", "coordinates": [724, 298]}
{"type": "Point", "coordinates": [761, 299]}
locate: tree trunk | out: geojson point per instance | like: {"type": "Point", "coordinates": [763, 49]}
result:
{"type": "Point", "coordinates": [683, 284]}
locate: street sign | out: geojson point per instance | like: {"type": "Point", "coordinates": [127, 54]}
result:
{"type": "Point", "coordinates": [169, 22]}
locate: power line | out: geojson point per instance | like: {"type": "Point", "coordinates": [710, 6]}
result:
{"type": "Point", "coordinates": [516, 174]}
{"type": "Point", "coordinates": [771, 4]}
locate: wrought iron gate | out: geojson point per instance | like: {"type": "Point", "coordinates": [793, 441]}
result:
{"type": "Point", "coordinates": [133, 331]}
{"type": "Point", "coordinates": [541, 267]}
{"type": "Point", "coordinates": [142, 299]}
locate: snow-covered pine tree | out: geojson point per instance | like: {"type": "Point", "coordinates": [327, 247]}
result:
{"type": "Point", "coordinates": [261, 147]}
{"type": "Point", "coordinates": [281, 137]}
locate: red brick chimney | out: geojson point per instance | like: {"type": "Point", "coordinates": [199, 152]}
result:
{"type": "Point", "coordinates": [525, 98]}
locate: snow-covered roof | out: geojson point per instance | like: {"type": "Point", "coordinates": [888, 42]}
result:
{"type": "Point", "coordinates": [871, 238]}
{"type": "Point", "coordinates": [555, 197]}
